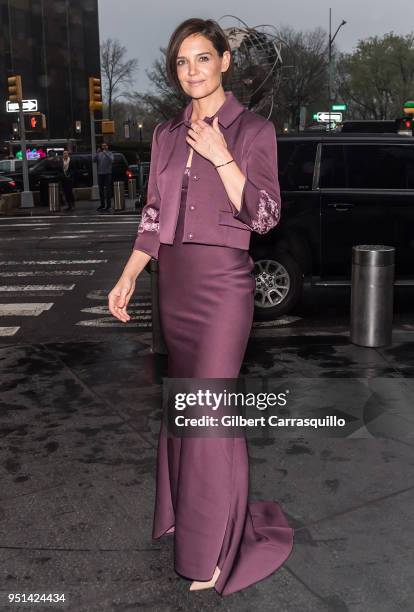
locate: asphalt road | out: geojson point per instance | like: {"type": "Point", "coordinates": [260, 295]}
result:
{"type": "Point", "coordinates": [57, 270]}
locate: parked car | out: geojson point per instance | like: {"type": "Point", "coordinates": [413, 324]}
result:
{"type": "Point", "coordinates": [7, 185]}
{"type": "Point", "coordinates": [13, 166]}
{"type": "Point", "coordinates": [338, 190]}
{"type": "Point", "coordinates": [48, 170]}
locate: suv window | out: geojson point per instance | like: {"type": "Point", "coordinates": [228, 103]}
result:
{"type": "Point", "coordinates": [380, 166]}
{"type": "Point", "coordinates": [367, 166]}
{"type": "Point", "coordinates": [296, 162]}
{"type": "Point", "coordinates": [332, 171]}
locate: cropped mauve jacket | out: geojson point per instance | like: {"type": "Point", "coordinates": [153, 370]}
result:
{"type": "Point", "coordinates": [210, 216]}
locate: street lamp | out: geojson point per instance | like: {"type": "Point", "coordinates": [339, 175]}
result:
{"type": "Point", "coordinates": [331, 39]}
{"type": "Point", "coordinates": [140, 133]}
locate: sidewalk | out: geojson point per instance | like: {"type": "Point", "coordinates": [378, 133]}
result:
{"type": "Point", "coordinates": [80, 425]}
{"type": "Point", "coordinates": [82, 208]}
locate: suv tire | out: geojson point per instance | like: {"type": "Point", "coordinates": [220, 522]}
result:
{"type": "Point", "coordinates": [272, 300]}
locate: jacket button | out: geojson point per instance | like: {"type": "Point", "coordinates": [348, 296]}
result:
{"type": "Point", "coordinates": [190, 236]}
{"type": "Point", "coordinates": [192, 207]}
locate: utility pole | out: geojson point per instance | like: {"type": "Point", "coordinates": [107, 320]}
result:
{"type": "Point", "coordinates": [331, 39]}
{"type": "Point", "coordinates": [16, 95]}
{"type": "Point", "coordinates": [95, 103]}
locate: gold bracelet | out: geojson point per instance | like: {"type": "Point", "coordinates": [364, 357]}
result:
{"type": "Point", "coordinates": [229, 162]}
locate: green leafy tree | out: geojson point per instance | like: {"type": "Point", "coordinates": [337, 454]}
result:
{"type": "Point", "coordinates": [378, 77]}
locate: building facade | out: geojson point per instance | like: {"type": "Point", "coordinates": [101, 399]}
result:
{"type": "Point", "coordinates": [54, 46]}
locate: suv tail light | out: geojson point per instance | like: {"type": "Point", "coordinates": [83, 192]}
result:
{"type": "Point", "coordinates": [12, 183]}
{"type": "Point", "coordinates": [129, 174]}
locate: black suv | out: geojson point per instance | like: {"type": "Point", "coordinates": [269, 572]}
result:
{"type": "Point", "coordinates": [338, 190]}
{"type": "Point", "coordinates": [48, 170]}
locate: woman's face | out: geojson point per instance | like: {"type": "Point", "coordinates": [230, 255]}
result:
{"type": "Point", "coordinates": [199, 66]}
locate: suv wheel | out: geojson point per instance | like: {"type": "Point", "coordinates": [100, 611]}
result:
{"type": "Point", "coordinates": [279, 282]}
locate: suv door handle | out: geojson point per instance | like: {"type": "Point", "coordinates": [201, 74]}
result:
{"type": "Point", "coordinates": [341, 206]}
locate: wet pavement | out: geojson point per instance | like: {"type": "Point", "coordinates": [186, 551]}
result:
{"type": "Point", "coordinates": [80, 413]}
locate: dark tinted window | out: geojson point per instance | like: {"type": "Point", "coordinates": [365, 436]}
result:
{"type": "Point", "coordinates": [380, 166]}
{"type": "Point", "coordinates": [367, 166]}
{"type": "Point", "coordinates": [296, 162]}
{"type": "Point", "coordinates": [332, 171]}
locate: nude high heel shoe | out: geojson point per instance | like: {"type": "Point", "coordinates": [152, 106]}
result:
{"type": "Point", "coordinates": [203, 584]}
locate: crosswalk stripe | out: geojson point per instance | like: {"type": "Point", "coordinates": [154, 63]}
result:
{"type": "Point", "coordinates": [8, 331]}
{"type": "Point", "coordinates": [112, 322]}
{"type": "Point", "coordinates": [25, 309]}
{"type": "Point", "coordinates": [30, 225]}
{"type": "Point", "coordinates": [36, 287]}
{"type": "Point", "coordinates": [51, 262]}
{"type": "Point", "coordinates": [105, 310]}
{"type": "Point", "coordinates": [49, 273]}
{"type": "Point", "coordinates": [92, 216]}
{"type": "Point", "coordinates": [62, 237]}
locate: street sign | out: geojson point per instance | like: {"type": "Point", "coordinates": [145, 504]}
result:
{"type": "Point", "coordinates": [338, 107]}
{"type": "Point", "coordinates": [326, 117]}
{"type": "Point", "coordinates": [29, 106]}
{"type": "Point", "coordinates": [108, 126]}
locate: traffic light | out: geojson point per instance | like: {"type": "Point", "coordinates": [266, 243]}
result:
{"type": "Point", "coordinates": [95, 94]}
{"type": "Point", "coordinates": [405, 124]}
{"type": "Point", "coordinates": [34, 122]}
{"type": "Point", "coordinates": [15, 88]}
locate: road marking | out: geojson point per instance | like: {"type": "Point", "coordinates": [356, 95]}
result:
{"type": "Point", "coordinates": [8, 331]}
{"type": "Point", "coordinates": [66, 217]}
{"type": "Point", "coordinates": [61, 237]}
{"type": "Point", "coordinates": [26, 309]}
{"type": "Point", "coordinates": [101, 294]}
{"type": "Point", "coordinates": [52, 262]}
{"type": "Point", "coordinates": [111, 322]}
{"type": "Point", "coordinates": [37, 224]}
{"type": "Point", "coordinates": [36, 287]}
{"type": "Point", "coordinates": [49, 273]}
{"type": "Point", "coordinates": [105, 310]}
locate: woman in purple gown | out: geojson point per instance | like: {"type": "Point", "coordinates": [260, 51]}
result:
{"type": "Point", "coordinates": [206, 298]}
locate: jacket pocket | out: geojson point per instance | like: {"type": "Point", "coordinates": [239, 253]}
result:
{"type": "Point", "coordinates": [226, 218]}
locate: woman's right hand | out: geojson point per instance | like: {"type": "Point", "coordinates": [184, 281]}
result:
{"type": "Point", "coordinates": [119, 297]}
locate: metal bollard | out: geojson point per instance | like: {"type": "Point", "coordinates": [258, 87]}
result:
{"type": "Point", "coordinates": [158, 344]}
{"type": "Point", "coordinates": [119, 195]}
{"type": "Point", "coordinates": [132, 189]}
{"type": "Point", "coordinates": [372, 294]}
{"type": "Point", "coordinates": [54, 201]}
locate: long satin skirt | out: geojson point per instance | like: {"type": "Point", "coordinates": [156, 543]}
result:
{"type": "Point", "coordinates": [206, 312]}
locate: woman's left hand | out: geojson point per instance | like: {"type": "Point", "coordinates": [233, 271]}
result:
{"type": "Point", "coordinates": [208, 141]}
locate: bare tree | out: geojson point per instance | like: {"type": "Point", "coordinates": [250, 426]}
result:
{"type": "Point", "coordinates": [164, 102]}
{"type": "Point", "coordinates": [305, 72]}
{"type": "Point", "coordinates": [116, 69]}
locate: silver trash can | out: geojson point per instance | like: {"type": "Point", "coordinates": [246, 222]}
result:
{"type": "Point", "coordinates": [372, 294]}
{"type": "Point", "coordinates": [132, 189]}
{"type": "Point", "coordinates": [119, 195]}
{"type": "Point", "coordinates": [54, 197]}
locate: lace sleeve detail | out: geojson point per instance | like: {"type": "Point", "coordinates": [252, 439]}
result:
{"type": "Point", "coordinates": [268, 213]}
{"type": "Point", "coordinates": [149, 221]}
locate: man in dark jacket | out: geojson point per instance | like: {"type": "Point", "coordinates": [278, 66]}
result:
{"type": "Point", "coordinates": [104, 160]}
{"type": "Point", "coordinates": [68, 176]}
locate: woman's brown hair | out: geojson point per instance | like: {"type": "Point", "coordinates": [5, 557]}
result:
{"type": "Point", "coordinates": [208, 28]}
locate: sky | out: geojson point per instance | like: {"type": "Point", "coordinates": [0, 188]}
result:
{"type": "Point", "coordinates": [145, 26]}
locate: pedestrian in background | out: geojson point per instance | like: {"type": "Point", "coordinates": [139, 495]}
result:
{"type": "Point", "coordinates": [68, 175]}
{"type": "Point", "coordinates": [104, 160]}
